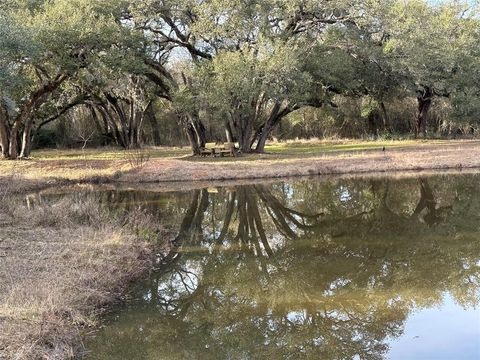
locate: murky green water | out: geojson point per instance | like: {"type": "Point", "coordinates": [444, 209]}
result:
{"type": "Point", "coordinates": [341, 269]}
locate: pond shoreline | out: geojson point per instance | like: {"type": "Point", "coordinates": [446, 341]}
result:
{"type": "Point", "coordinates": [184, 174]}
{"type": "Point", "coordinates": [179, 172]}
{"type": "Point", "coordinates": [64, 265]}
{"type": "Point", "coordinates": [455, 156]}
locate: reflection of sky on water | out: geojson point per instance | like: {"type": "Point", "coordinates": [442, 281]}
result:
{"type": "Point", "coordinates": [344, 194]}
{"type": "Point", "coordinates": [260, 275]}
{"type": "Point", "coordinates": [439, 333]}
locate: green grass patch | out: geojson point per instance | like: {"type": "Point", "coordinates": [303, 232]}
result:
{"type": "Point", "coordinates": [293, 148]}
{"type": "Point", "coordinates": [106, 153]}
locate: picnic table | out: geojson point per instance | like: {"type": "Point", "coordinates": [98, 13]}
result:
{"type": "Point", "coordinates": [214, 149]}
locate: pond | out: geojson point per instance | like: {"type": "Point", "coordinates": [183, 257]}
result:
{"type": "Point", "coordinates": [316, 269]}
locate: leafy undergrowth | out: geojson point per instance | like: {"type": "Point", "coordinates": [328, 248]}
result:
{"type": "Point", "coordinates": [62, 264]}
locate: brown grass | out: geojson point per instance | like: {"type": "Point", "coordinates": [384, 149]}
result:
{"type": "Point", "coordinates": [426, 156]}
{"type": "Point", "coordinates": [300, 158]}
{"type": "Point", "coordinates": [62, 264]}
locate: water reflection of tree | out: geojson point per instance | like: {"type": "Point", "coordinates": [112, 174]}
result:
{"type": "Point", "coordinates": [255, 277]}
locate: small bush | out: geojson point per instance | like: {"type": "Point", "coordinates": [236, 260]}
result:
{"type": "Point", "coordinates": [137, 158]}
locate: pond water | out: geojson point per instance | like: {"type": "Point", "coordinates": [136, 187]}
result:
{"type": "Point", "coordinates": [314, 269]}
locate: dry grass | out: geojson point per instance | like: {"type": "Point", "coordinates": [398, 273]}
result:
{"type": "Point", "coordinates": [291, 158]}
{"type": "Point", "coordinates": [424, 156]}
{"type": "Point", "coordinates": [61, 264]}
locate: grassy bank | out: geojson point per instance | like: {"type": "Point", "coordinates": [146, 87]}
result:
{"type": "Point", "coordinates": [62, 264]}
{"type": "Point", "coordinates": [292, 160]}
{"type": "Point", "coordinates": [50, 167]}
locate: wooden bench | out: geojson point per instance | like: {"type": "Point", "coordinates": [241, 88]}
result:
{"type": "Point", "coordinates": [227, 149]}
{"type": "Point", "coordinates": [215, 149]}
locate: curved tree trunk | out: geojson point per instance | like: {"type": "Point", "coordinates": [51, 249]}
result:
{"type": "Point", "coordinates": [199, 131]}
{"type": "Point", "coordinates": [262, 140]}
{"type": "Point", "coordinates": [192, 138]}
{"type": "Point", "coordinates": [195, 131]}
{"type": "Point", "coordinates": [228, 131]}
{"type": "Point", "coordinates": [25, 117]}
{"type": "Point", "coordinates": [26, 139]}
{"type": "Point", "coordinates": [274, 119]}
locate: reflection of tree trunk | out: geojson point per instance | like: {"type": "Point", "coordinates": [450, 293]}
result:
{"type": "Point", "coordinates": [256, 222]}
{"type": "Point", "coordinates": [427, 201]}
{"type": "Point", "coordinates": [228, 217]}
{"type": "Point", "coordinates": [250, 224]}
{"type": "Point", "coordinates": [200, 214]}
{"type": "Point", "coordinates": [191, 225]}
{"type": "Point", "coordinates": [282, 212]}
{"type": "Point", "coordinates": [242, 232]}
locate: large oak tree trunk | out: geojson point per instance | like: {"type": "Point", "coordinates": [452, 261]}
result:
{"type": "Point", "coordinates": [192, 138]}
{"type": "Point", "coordinates": [121, 129]}
{"type": "Point", "coordinates": [109, 119]}
{"type": "Point", "coordinates": [244, 127]}
{"type": "Point", "coordinates": [26, 139]}
{"type": "Point", "coordinates": [4, 131]}
{"type": "Point", "coordinates": [200, 131]}
{"type": "Point", "coordinates": [152, 119]}
{"type": "Point", "coordinates": [424, 100]}
{"type": "Point", "coordinates": [372, 126]}
{"type": "Point", "coordinates": [262, 141]}
{"type": "Point", "coordinates": [126, 119]}
{"type": "Point", "coordinates": [228, 131]}
{"type": "Point", "coordinates": [24, 119]}
{"type": "Point", "coordinates": [385, 117]}
{"type": "Point", "coordinates": [196, 133]}
{"type": "Point", "coordinates": [13, 145]}
{"type": "Point", "coordinates": [244, 142]}
{"type": "Point", "coordinates": [274, 119]}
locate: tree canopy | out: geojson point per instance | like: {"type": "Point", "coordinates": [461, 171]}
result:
{"type": "Point", "coordinates": [235, 71]}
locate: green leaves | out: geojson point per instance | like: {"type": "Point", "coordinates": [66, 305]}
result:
{"type": "Point", "coordinates": [15, 44]}
{"type": "Point", "coordinates": [236, 57]}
